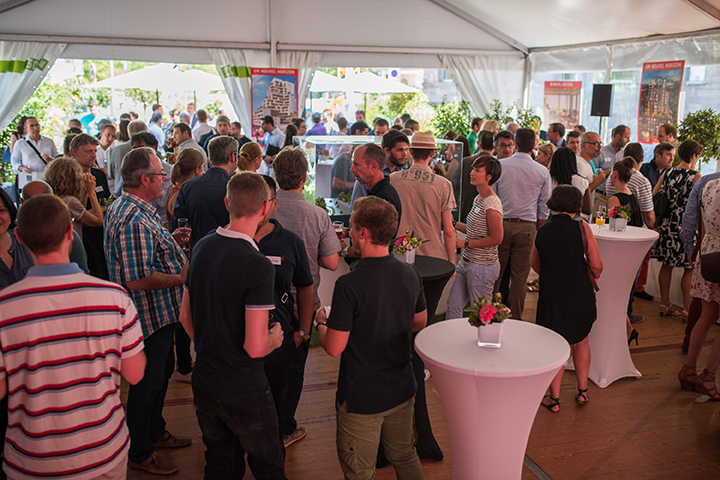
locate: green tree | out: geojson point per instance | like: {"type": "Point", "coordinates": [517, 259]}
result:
{"type": "Point", "coordinates": [451, 116]}
{"type": "Point", "coordinates": [703, 126]}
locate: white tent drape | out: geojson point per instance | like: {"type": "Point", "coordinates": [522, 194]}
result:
{"type": "Point", "coordinates": [482, 79]}
{"type": "Point", "coordinates": [23, 65]}
{"type": "Point", "coordinates": [306, 64]}
{"type": "Point", "coordinates": [235, 73]}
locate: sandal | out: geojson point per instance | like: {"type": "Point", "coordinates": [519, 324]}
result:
{"type": "Point", "coordinates": [554, 402]}
{"type": "Point", "coordinates": [705, 384]}
{"type": "Point", "coordinates": [685, 316]}
{"type": "Point", "coordinates": [688, 376]}
{"type": "Point", "coordinates": [668, 310]}
{"type": "Point", "coordinates": [581, 398]}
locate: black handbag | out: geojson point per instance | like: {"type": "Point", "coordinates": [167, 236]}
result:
{"type": "Point", "coordinates": [710, 267]}
{"type": "Point", "coordinates": [661, 205]}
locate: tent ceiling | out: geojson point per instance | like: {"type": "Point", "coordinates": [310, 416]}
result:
{"type": "Point", "coordinates": [409, 32]}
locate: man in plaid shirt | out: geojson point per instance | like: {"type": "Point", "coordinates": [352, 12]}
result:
{"type": "Point", "coordinates": [146, 259]}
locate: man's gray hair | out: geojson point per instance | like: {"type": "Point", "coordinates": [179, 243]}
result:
{"type": "Point", "coordinates": [221, 148]}
{"type": "Point", "coordinates": [135, 164]}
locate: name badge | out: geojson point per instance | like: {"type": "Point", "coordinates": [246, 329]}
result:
{"type": "Point", "coordinates": [99, 189]}
{"type": "Point", "coordinates": [275, 260]}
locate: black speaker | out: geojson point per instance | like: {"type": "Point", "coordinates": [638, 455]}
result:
{"type": "Point", "coordinates": [601, 100]}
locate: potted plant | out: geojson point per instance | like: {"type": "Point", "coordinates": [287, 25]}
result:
{"type": "Point", "coordinates": [406, 245]}
{"type": "Point", "coordinates": [619, 217]}
{"type": "Point", "coordinates": [488, 316]}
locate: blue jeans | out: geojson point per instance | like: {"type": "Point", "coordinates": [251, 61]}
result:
{"type": "Point", "coordinates": [471, 282]}
{"type": "Point", "coordinates": [145, 400]}
{"type": "Point", "coordinates": [231, 427]}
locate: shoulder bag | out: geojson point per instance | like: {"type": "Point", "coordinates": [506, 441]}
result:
{"type": "Point", "coordinates": [585, 249]}
{"type": "Point", "coordinates": [710, 267]}
{"type": "Point", "coordinates": [661, 204]}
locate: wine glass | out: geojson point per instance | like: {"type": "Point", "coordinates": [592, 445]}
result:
{"type": "Point", "coordinates": [600, 217]}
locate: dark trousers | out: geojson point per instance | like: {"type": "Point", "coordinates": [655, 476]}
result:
{"type": "Point", "coordinates": [277, 370]}
{"type": "Point", "coordinates": [294, 390]}
{"type": "Point", "coordinates": [182, 350]}
{"type": "Point", "coordinates": [146, 399]}
{"type": "Point", "coordinates": [230, 428]}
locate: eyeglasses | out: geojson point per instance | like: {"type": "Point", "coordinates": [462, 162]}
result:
{"type": "Point", "coordinates": [596, 144]}
{"type": "Point", "coordinates": [163, 174]}
{"type": "Point", "coordinates": [506, 145]}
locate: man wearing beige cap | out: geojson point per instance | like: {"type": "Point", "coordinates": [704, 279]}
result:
{"type": "Point", "coordinates": [427, 201]}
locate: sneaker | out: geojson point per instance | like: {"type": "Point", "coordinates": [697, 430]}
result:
{"type": "Point", "coordinates": [298, 434]}
{"type": "Point", "coordinates": [427, 375]}
{"type": "Point", "coordinates": [169, 440]}
{"type": "Point", "coordinates": [183, 377]}
{"type": "Point", "coordinates": [636, 319]}
{"type": "Point", "coordinates": [644, 295]}
{"type": "Point", "coordinates": [156, 465]}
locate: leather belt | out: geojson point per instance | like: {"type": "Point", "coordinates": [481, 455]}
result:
{"type": "Point", "coordinates": [516, 220]}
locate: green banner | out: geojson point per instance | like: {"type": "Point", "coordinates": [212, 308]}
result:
{"type": "Point", "coordinates": [19, 66]}
{"type": "Point", "coordinates": [234, 71]}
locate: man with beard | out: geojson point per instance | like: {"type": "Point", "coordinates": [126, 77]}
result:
{"type": "Point", "coordinates": [396, 146]}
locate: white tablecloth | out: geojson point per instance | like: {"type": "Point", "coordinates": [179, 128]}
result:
{"type": "Point", "coordinates": [622, 254]}
{"type": "Point", "coordinates": [490, 395]}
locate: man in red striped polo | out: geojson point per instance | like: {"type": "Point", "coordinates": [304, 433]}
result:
{"type": "Point", "coordinates": [66, 339]}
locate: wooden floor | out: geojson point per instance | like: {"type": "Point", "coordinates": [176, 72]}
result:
{"type": "Point", "coordinates": [634, 429]}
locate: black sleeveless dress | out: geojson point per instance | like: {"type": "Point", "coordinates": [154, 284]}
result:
{"type": "Point", "coordinates": [636, 218]}
{"type": "Point", "coordinates": [566, 303]}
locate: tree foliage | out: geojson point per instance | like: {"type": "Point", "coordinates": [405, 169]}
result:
{"type": "Point", "coordinates": [703, 126]}
{"type": "Point", "coordinates": [453, 115]}
{"type": "Point", "coordinates": [513, 113]}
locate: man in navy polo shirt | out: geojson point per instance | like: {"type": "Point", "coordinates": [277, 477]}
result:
{"type": "Point", "coordinates": [225, 308]}
{"type": "Point", "coordinates": [375, 309]}
{"type": "Point", "coordinates": [286, 251]}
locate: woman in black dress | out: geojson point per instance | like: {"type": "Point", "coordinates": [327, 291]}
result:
{"type": "Point", "coordinates": [566, 303]}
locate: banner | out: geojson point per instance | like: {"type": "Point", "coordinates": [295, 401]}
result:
{"type": "Point", "coordinates": [562, 103]}
{"type": "Point", "coordinates": [659, 97]}
{"type": "Point", "coordinates": [274, 93]}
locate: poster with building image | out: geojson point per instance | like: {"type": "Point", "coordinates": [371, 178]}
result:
{"type": "Point", "coordinates": [274, 93]}
{"type": "Point", "coordinates": [659, 97]}
{"type": "Point", "coordinates": [562, 103]}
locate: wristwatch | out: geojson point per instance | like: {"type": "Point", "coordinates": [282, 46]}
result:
{"type": "Point", "coordinates": [322, 323]}
{"type": "Point", "coordinates": [467, 242]}
{"type": "Point", "coordinates": [454, 223]}
{"type": "Point", "coordinates": [303, 334]}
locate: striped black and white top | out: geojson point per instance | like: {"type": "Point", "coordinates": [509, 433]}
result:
{"type": "Point", "coordinates": [477, 227]}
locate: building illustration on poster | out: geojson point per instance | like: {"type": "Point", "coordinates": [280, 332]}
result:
{"type": "Point", "coordinates": [274, 93]}
{"type": "Point", "coordinates": [659, 97]}
{"type": "Point", "coordinates": [562, 103]}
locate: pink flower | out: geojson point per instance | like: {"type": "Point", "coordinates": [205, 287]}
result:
{"type": "Point", "coordinates": [486, 313]}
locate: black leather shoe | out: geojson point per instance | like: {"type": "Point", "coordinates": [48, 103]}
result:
{"type": "Point", "coordinates": [644, 295]}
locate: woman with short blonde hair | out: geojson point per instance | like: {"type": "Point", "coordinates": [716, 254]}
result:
{"type": "Point", "coordinates": [250, 157]}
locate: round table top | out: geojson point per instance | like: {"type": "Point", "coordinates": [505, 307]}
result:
{"type": "Point", "coordinates": [632, 234]}
{"type": "Point", "coordinates": [433, 268]}
{"type": "Point", "coordinates": [527, 349]}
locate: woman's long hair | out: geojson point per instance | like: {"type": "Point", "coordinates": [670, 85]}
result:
{"type": "Point", "coordinates": [563, 166]}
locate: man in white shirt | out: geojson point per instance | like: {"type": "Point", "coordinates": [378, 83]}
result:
{"type": "Point", "coordinates": [201, 127]}
{"type": "Point", "coordinates": [155, 127]}
{"type": "Point", "coordinates": [107, 138]}
{"type": "Point", "coordinates": [33, 152]}
{"type": "Point", "coordinates": [183, 138]}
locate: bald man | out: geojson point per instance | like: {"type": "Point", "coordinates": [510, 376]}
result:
{"type": "Point", "coordinates": [77, 253]}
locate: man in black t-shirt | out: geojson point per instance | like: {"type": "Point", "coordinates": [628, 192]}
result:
{"type": "Point", "coordinates": [375, 309]}
{"type": "Point", "coordinates": [286, 251]}
{"type": "Point", "coordinates": [368, 163]}
{"type": "Point", "coordinates": [225, 309]}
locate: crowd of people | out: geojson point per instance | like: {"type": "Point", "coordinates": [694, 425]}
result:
{"type": "Point", "coordinates": [190, 233]}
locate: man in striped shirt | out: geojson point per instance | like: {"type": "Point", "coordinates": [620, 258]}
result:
{"type": "Point", "coordinates": [66, 338]}
{"type": "Point", "coordinates": [146, 259]}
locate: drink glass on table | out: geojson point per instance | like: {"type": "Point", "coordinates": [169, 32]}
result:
{"type": "Point", "coordinates": [600, 217]}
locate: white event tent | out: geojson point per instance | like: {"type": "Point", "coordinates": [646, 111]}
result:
{"type": "Point", "coordinates": [491, 50]}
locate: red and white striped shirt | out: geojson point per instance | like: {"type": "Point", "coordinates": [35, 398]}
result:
{"type": "Point", "coordinates": [63, 335]}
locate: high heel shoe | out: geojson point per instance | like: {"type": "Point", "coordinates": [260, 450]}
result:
{"type": "Point", "coordinates": [688, 376]}
{"type": "Point", "coordinates": [633, 336]}
{"type": "Point", "coordinates": [666, 310]}
{"type": "Point", "coordinates": [705, 384]}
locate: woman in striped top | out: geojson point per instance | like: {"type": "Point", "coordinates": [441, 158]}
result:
{"type": "Point", "coordinates": [479, 267]}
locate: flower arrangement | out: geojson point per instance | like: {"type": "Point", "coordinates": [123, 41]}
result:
{"type": "Point", "coordinates": [483, 311]}
{"type": "Point", "coordinates": [407, 243]}
{"type": "Point", "coordinates": [621, 212]}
